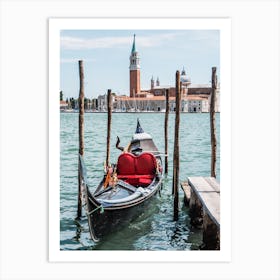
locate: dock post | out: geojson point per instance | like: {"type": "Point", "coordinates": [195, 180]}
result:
{"type": "Point", "coordinates": [109, 120]}
{"type": "Point", "coordinates": [166, 130]}
{"type": "Point", "coordinates": [81, 133]}
{"type": "Point", "coordinates": [195, 211]}
{"type": "Point", "coordinates": [187, 193]}
{"type": "Point", "coordinates": [176, 161]}
{"type": "Point", "coordinates": [211, 234]}
{"type": "Point", "coordinates": [213, 123]}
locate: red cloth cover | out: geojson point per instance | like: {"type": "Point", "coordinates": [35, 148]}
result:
{"type": "Point", "coordinates": [137, 170]}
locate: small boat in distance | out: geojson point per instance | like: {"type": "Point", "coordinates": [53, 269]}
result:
{"type": "Point", "coordinates": [126, 188]}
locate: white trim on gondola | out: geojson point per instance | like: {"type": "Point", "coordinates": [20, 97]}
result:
{"type": "Point", "coordinates": [139, 192]}
{"type": "Point", "coordinates": [141, 136]}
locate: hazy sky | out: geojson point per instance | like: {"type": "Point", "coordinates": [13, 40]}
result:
{"type": "Point", "coordinates": [162, 52]}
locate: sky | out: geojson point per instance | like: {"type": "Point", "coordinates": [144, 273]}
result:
{"type": "Point", "coordinates": [162, 52]}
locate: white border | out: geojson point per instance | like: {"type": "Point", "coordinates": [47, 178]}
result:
{"type": "Point", "coordinates": [55, 26]}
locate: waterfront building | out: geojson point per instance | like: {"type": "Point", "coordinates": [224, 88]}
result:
{"type": "Point", "coordinates": [146, 104]}
{"type": "Point", "coordinates": [101, 105]}
{"type": "Point", "coordinates": [63, 105]}
{"type": "Point", "coordinates": [198, 104]}
{"type": "Point", "coordinates": [94, 105]}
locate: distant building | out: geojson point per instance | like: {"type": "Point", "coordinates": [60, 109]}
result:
{"type": "Point", "coordinates": [94, 105]}
{"type": "Point", "coordinates": [199, 98]}
{"type": "Point", "coordinates": [195, 97]}
{"type": "Point", "coordinates": [101, 104]}
{"type": "Point", "coordinates": [198, 104]}
{"type": "Point", "coordinates": [191, 104]}
{"type": "Point", "coordinates": [63, 105]}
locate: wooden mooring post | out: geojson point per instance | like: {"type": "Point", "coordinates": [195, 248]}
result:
{"type": "Point", "coordinates": [176, 160]}
{"type": "Point", "coordinates": [166, 130]}
{"type": "Point", "coordinates": [213, 123]}
{"type": "Point", "coordinates": [202, 196]}
{"type": "Point", "coordinates": [81, 134]}
{"type": "Point", "coordinates": [109, 121]}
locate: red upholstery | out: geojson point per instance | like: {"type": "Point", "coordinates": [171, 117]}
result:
{"type": "Point", "coordinates": [126, 165]}
{"type": "Point", "coordinates": [137, 170]}
{"type": "Point", "coordinates": [146, 164]}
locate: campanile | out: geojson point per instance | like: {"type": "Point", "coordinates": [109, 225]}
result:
{"type": "Point", "coordinates": [134, 71]}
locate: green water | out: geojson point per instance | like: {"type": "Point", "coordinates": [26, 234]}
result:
{"type": "Point", "coordinates": [154, 229]}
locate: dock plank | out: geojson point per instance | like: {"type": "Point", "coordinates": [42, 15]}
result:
{"type": "Point", "coordinates": [208, 191]}
{"type": "Point", "coordinates": [211, 201]}
{"type": "Point", "coordinates": [212, 181]}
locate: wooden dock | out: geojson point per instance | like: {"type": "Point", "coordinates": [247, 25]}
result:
{"type": "Point", "coordinates": [202, 196]}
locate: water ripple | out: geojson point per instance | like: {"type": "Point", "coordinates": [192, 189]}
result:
{"type": "Point", "coordinates": [155, 229]}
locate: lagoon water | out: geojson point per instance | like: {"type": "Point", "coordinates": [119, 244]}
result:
{"type": "Point", "coordinates": [155, 229]}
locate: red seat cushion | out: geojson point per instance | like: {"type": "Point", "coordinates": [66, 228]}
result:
{"type": "Point", "coordinates": [145, 164]}
{"type": "Point", "coordinates": [144, 181]}
{"type": "Point", "coordinates": [137, 170]}
{"type": "Point", "coordinates": [126, 165]}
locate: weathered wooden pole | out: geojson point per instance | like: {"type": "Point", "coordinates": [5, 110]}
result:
{"type": "Point", "coordinates": [81, 133]}
{"type": "Point", "coordinates": [166, 130]}
{"type": "Point", "coordinates": [213, 123]}
{"type": "Point", "coordinates": [176, 161]}
{"type": "Point", "coordinates": [109, 120]}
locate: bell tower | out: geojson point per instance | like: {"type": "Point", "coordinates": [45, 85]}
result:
{"type": "Point", "coordinates": [152, 83]}
{"type": "Point", "coordinates": [157, 83]}
{"type": "Point", "coordinates": [134, 70]}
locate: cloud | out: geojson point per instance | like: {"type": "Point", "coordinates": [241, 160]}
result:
{"type": "Point", "coordinates": [155, 40]}
{"type": "Point", "coordinates": [77, 43]}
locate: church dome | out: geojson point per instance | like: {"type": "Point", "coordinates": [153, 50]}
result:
{"type": "Point", "coordinates": [185, 79]}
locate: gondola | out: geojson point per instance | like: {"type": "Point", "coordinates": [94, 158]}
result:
{"type": "Point", "coordinates": [127, 187]}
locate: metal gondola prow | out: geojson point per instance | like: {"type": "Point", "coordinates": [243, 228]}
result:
{"type": "Point", "coordinates": [139, 129]}
{"type": "Point", "coordinates": [140, 134]}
